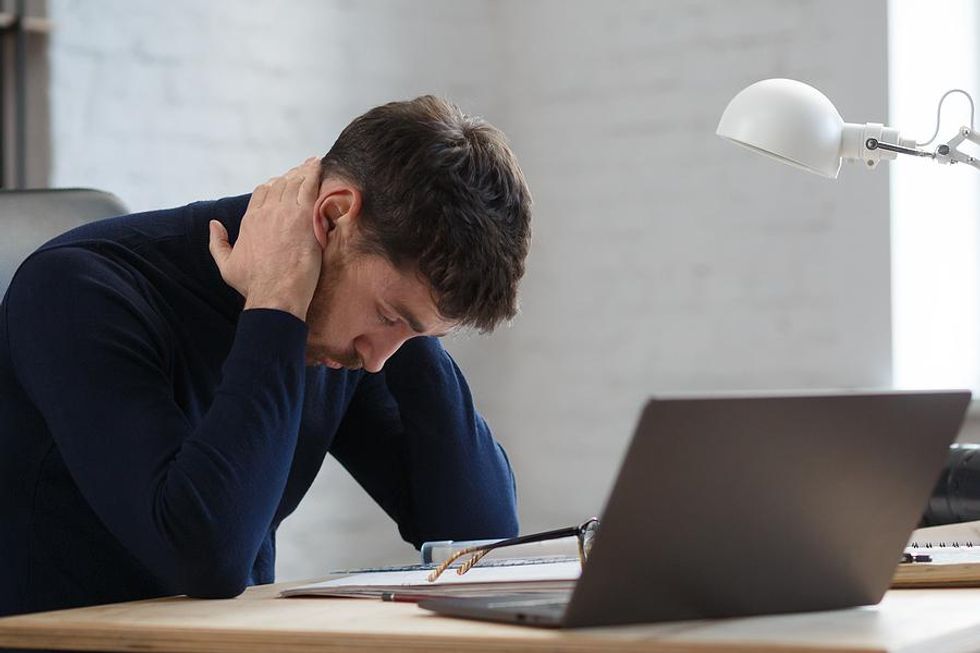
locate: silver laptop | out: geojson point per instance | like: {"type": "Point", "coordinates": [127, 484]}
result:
{"type": "Point", "coordinates": [744, 505]}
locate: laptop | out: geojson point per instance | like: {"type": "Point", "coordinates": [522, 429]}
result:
{"type": "Point", "coordinates": [729, 506]}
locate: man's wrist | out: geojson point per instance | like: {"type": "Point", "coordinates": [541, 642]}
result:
{"type": "Point", "coordinates": [279, 302]}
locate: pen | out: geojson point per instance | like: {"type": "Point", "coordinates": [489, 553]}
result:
{"type": "Point", "coordinates": [401, 597]}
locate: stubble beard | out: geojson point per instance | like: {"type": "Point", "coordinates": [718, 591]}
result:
{"type": "Point", "coordinates": [318, 320]}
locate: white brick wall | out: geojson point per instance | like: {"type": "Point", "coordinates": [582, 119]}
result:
{"type": "Point", "coordinates": [166, 103]}
{"type": "Point", "coordinates": [663, 259]}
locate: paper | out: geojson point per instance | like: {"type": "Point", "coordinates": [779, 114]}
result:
{"type": "Point", "coordinates": [489, 574]}
{"type": "Point", "coordinates": [495, 578]}
{"type": "Point", "coordinates": [946, 556]}
{"type": "Point", "coordinates": [966, 534]}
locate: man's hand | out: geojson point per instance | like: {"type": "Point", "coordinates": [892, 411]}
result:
{"type": "Point", "coordinates": [276, 260]}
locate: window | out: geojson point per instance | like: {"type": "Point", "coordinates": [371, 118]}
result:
{"type": "Point", "coordinates": [935, 209]}
{"type": "Point", "coordinates": [24, 116]}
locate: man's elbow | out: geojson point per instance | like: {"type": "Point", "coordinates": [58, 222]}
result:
{"type": "Point", "coordinates": [216, 590]}
{"type": "Point", "coordinates": [215, 575]}
{"type": "Point", "coordinates": [215, 585]}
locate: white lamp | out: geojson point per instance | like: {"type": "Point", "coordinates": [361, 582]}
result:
{"type": "Point", "coordinates": [796, 124]}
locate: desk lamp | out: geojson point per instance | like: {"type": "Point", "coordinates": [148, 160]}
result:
{"type": "Point", "coordinates": [796, 124]}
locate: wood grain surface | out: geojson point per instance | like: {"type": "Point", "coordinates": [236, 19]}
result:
{"type": "Point", "coordinates": [907, 620]}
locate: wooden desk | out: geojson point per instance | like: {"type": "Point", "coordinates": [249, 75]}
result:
{"type": "Point", "coordinates": [907, 620]}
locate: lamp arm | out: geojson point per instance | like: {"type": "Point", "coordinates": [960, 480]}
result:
{"type": "Point", "coordinates": [946, 154]}
{"type": "Point", "coordinates": [950, 152]}
{"type": "Point", "coordinates": [874, 144]}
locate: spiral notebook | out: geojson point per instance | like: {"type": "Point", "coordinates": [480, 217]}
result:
{"type": "Point", "coordinates": [941, 556]}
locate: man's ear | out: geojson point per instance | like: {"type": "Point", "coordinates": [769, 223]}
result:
{"type": "Point", "coordinates": [339, 202]}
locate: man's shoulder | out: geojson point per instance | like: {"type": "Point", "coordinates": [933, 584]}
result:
{"type": "Point", "coordinates": [63, 271]}
{"type": "Point", "coordinates": [139, 229]}
{"type": "Point", "coordinates": [79, 293]}
{"type": "Point", "coordinates": [144, 262]}
{"type": "Point", "coordinates": [166, 242]}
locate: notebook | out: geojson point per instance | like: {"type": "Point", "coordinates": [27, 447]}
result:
{"type": "Point", "coordinates": [941, 556]}
{"type": "Point", "coordinates": [817, 495]}
{"type": "Point", "coordinates": [409, 583]}
{"type": "Point", "coordinates": [550, 565]}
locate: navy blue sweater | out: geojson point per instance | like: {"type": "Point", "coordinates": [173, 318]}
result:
{"type": "Point", "coordinates": [153, 435]}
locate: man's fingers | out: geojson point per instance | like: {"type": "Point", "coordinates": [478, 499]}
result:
{"type": "Point", "coordinates": [309, 189]}
{"type": "Point", "coordinates": [286, 186]}
{"type": "Point", "coordinates": [292, 192]}
{"type": "Point", "coordinates": [218, 244]}
{"type": "Point", "coordinates": [297, 171]}
{"type": "Point", "coordinates": [277, 189]}
{"type": "Point", "coordinates": [303, 168]}
{"type": "Point", "coordinates": [305, 184]}
{"type": "Point", "coordinates": [259, 195]}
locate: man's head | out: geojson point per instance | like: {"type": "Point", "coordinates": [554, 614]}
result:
{"type": "Point", "coordinates": [424, 216]}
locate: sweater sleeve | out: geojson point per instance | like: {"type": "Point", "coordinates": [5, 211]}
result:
{"type": "Point", "coordinates": [414, 440]}
{"type": "Point", "coordinates": [191, 502]}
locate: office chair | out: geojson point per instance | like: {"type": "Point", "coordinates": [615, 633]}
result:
{"type": "Point", "coordinates": [30, 218]}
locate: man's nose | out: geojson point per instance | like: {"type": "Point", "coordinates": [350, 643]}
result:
{"type": "Point", "coordinates": [376, 349]}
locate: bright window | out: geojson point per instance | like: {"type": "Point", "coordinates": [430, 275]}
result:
{"type": "Point", "coordinates": [935, 209]}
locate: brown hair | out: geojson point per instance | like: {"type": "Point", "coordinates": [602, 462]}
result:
{"type": "Point", "coordinates": [442, 194]}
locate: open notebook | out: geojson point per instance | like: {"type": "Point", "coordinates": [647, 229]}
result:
{"type": "Point", "coordinates": [409, 583]}
{"type": "Point", "coordinates": [948, 556]}
{"type": "Point", "coordinates": [539, 566]}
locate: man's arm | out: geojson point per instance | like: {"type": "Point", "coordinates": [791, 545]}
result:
{"type": "Point", "coordinates": [191, 503]}
{"type": "Point", "coordinates": [413, 439]}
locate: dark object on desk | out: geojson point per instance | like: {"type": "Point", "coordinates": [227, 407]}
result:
{"type": "Point", "coordinates": [956, 497]}
{"type": "Point", "coordinates": [813, 496]}
{"type": "Point", "coordinates": [909, 558]}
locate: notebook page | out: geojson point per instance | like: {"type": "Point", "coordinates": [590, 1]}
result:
{"type": "Point", "coordinates": [966, 534]}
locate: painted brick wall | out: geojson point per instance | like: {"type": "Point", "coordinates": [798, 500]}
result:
{"type": "Point", "coordinates": [663, 260]}
{"type": "Point", "coordinates": [166, 103]}
{"type": "Point", "coordinates": [666, 259]}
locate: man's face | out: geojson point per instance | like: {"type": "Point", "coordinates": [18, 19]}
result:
{"type": "Point", "coordinates": [364, 310]}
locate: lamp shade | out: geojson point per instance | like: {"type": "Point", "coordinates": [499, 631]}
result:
{"type": "Point", "coordinates": [789, 121]}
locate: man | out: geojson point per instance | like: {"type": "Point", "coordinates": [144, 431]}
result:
{"type": "Point", "coordinates": [170, 382]}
